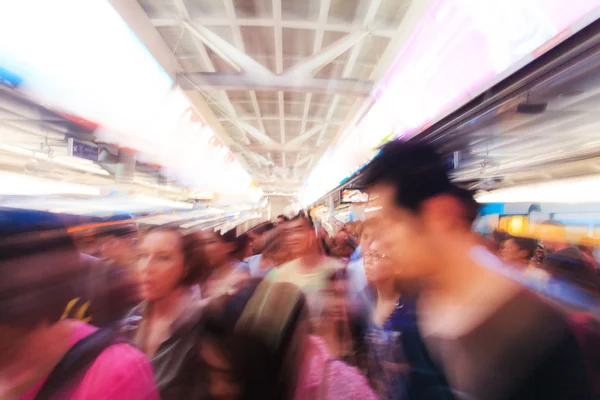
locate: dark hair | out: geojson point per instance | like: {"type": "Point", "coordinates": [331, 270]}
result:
{"type": "Point", "coordinates": [39, 275]}
{"type": "Point", "coordinates": [469, 204]}
{"type": "Point", "coordinates": [242, 244]}
{"type": "Point", "coordinates": [195, 262]}
{"type": "Point", "coordinates": [527, 244]}
{"type": "Point", "coordinates": [308, 220]}
{"type": "Point", "coordinates": [261, 363]}
{"type": "Point", "coordinates": [283, 217]}
{"type": "Point", "coordinates": [262, 228]}
{"type": "Point", "coordinates": [416, 171]}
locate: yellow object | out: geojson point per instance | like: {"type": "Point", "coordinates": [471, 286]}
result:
{"type": "Point", "coordinates": [514, 225]}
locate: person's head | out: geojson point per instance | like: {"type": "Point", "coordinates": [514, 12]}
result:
{"type": "Point", "coordinates": [219, 248]}
{"type": "Point", "coordinates": [275, 250]}
{"type": "Point", "coordinates": [553, 235]}
{"type": "Point", "coordinates": [300, 236]}
{"type": "Point", "coordinates": [281, 219]}
{"type": "Point", "coordinates": [351, 227]}
{"type": "Point", "coordinates": [423, 214]}
{"type": "Point", "coordinates": [168, 260]}
{"type": "Point", "coordinates": [118, 240]}
{"type": "Point", "coordinates": [257, 236]}
{"type": "Point", "coordinates": [368, 231]}
{"type": "Point", "coordinates": [244, 248]}
{"type": "Point", "coordinates": [39, 270]}
{"type": "Point", "coordinates": [251, 344]}
{"type": "Point", "coordinates": [336, 296]}
{"type": "Point", "coordinates": [379, 267]}
{"type": "Point", "coordinates": [518, 250]}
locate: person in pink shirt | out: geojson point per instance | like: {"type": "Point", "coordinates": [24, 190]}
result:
{"type": "Point", "coordinates": [43, 356]}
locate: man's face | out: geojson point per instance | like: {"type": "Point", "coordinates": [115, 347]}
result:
{"type": "Point", "coordinates": [256, 242]}
{"type": "Point", "coordinates": [118, 248]}
{"type": "Point", "coordinates": [404, 235]}
{"type": "Point", "coordinates": [299, 237]}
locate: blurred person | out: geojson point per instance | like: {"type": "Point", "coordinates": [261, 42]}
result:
{"type": "Point", "coordinates": [280, 220]}
{"type": "Point", "coordinates": [42, 355]}
{"type": "Point", "coordinates": [358, 279]}
{"type": "Point", "coordinates": [255, 345]}
{"type": "Point", "coordinates": [275, 254]}
{"type": "Point", "coordinates": [488, 336]}
{"type": "Point", "coordinates": [245, 251]}
{"type": "Point", "coordinates": [257, 236]}
{"type": "Point", "coordinates": [162, 324]}
{"type": "Point", "coordinates": [565, 261]}
{"type": "Point", "coordinates": [518, 251]}
{"type": "Point", "coordinates": [225, 270]}
{"type": "Point", "coordinates": [587, 246]}
{"type": "Point", "coordinates": [117, 243]}
{"type": "Point", "coordinates": [309, 269]}
{"type": "Point", "coordinates": [391, 314]}
{"type": "Point", "coordinates": [340, 324]}
{"type": "Point", "coordinates": [342, 246]}
{"type": "Point", "coordinates": [498, 237]}
{"type": "Point", "coordinates": [108, 286]}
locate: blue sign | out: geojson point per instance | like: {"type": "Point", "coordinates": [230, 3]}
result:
{"type": "Point", "coordinates": [9, 79]}
{"type": "Point", "coordinates": [83, 150]}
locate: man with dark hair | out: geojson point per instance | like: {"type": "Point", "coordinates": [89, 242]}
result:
{"type": "Point", "coordinates": [281, 219]}
{"type": "Point", "coordinates": [490, 337]}
{"type": "Point", "coordinates": [257, 236]}
{"type": "Point", "coordinates": [309, 268]}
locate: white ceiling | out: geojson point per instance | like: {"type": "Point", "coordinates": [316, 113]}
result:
{"type": "Point", "coordinates": [281, 77]}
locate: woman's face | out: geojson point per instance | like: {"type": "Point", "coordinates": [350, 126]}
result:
{"type": "Point", "coordinates": [335, 307]}
{"type": "Point", "coordinates": [378, 266]}
{"type": "Point", "coordinates": [161, 264]}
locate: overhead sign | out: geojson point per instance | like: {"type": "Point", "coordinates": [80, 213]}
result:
{"type": "Point", "coordinates": [83, 150]}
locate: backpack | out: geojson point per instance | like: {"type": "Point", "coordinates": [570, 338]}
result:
{"type": "Point", "coordinates": [73, 365]}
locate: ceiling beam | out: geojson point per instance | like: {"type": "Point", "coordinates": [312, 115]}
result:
{"type": "Point", "coordinates": [282, 125]}
{"type": "Point", "coordinates": [236, 58]}
{"type": "Point", "coordinates": [383, 31]}
{"type": "Point", "coordinates": [225, 81]}
{"type": "Point", "coordinates": [312, 64]}
{"type": "Point", "coordinates": [292, 118]}
{"type": "Point", "coordinates": [307, 135]}
{"type": "Point", "coordinates": [277, 147]}
{"type": "Point", "coordinates": [254, 132]}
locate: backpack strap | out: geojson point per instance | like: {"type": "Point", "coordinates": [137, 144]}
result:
{"type": "Point", "coordinates": [75, 362]}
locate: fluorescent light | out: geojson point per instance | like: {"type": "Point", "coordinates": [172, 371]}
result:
{"type": "Point", "coordinates": [24, 185]}
{"type": "Point", "coordinates": [16, 149]}
{"type": "Point", "coordinates": [158, 202]}
{"type": "Point", "coordinates": [73, 162]}
{"type": "Point", "coordinates": [202, 221]}
{"type": "Point", "coordinates": [580, 190]}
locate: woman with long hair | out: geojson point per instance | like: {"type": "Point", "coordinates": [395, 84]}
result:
{"type": "Point", "coordinates": [162, 325]}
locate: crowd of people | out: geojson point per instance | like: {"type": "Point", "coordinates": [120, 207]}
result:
{"type": "Point", "coordinates": [405, 305]}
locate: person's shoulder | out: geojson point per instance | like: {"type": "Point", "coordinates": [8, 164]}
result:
{"type": "Point", "coordinates": [333, 263]}
{"type": "Point", "coordinates": [121, 372]}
